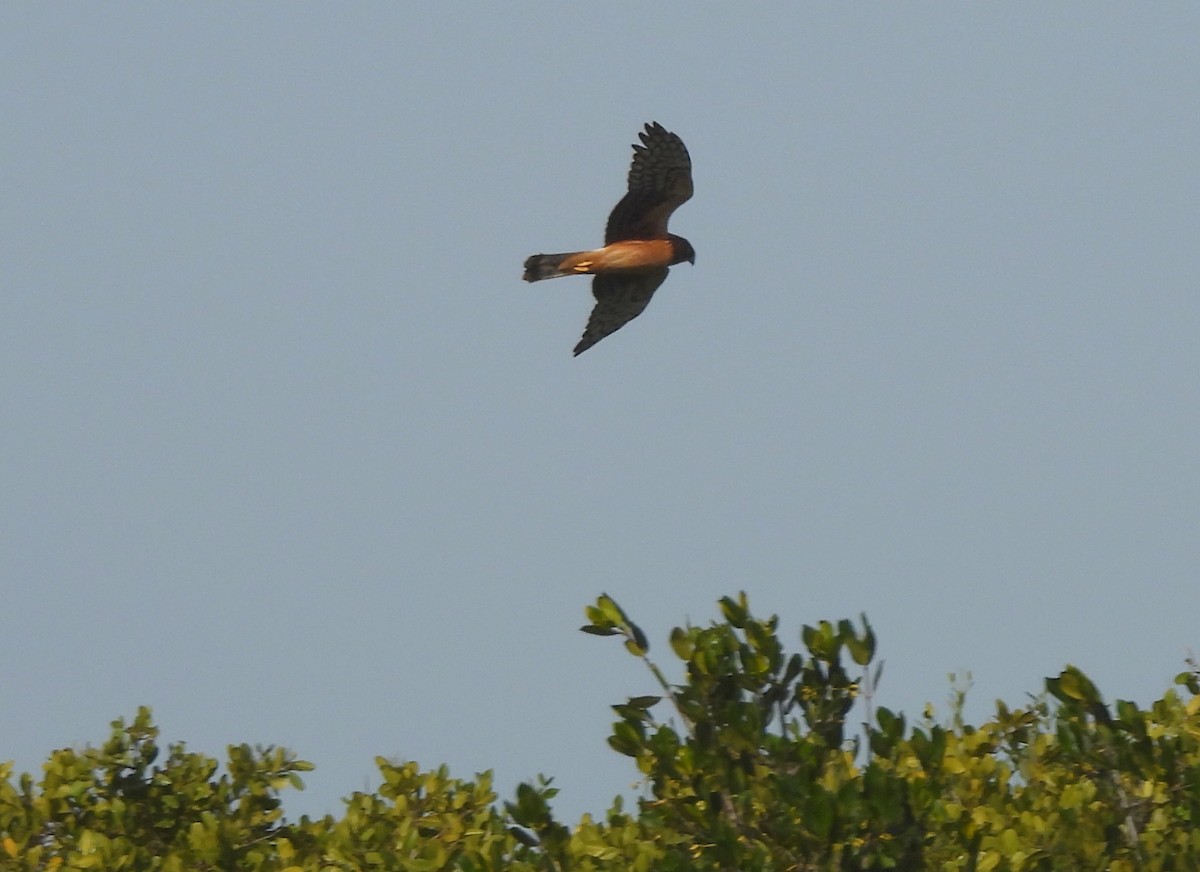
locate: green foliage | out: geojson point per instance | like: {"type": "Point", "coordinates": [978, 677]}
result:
{"type": "Point", "coordinates": [120, 807]}
{"type": "Point", "coordinates": [750, 761]}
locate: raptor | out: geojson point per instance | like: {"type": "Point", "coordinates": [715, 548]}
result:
{"type": "Point", "coordinates": [638, 251]}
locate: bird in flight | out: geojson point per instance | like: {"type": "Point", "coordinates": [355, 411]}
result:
{"type": "Point", "coordinates": [638, 251]}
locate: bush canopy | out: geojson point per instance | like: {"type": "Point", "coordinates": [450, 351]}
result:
{"type": "Point", "coordinates": [749, 762]}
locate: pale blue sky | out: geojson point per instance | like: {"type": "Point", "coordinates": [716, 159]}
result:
{"type": "Point", "coordinates": [293, 456]}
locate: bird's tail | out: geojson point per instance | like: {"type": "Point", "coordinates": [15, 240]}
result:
{"type": "Point", "coordinates": [548, 266]}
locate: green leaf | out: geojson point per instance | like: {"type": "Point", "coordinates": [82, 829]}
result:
{"type": "Point", "coordinates": [644, 702]}
{"type": "Point", "coordinates": [794, 664]}
{"type": "Point", "coordinates": [862, 648]}
{"type": "Point", "coordinates": [682, 644]}
{"type": "Point", "coordinates": [639, 638]}
{"type": "Point", "coordinates": [821, 641]}
{"type": "Point", "coordinates": [622, 745]}
{"type": "Point", "coordinates": [610, 610]}
{"type": "Point", "coordinates": [1075, 685]}
{"type": "Point", "coordinates": [600, 631]}
{"type": "Point", "coordinates": [523, 836]}
{"type": "Point", "coordinates": [734, 612]}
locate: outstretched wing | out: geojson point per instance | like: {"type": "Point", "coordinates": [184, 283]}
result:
{"type": "Point", "coordinates": [620, 297]}
{"type": "Point", "coordinates": [660, 181]}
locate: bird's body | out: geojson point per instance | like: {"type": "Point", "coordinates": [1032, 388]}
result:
{"type": "Point", "coordinates": [629, 254]}
{"type": "Point", "coordinates": [638, 250]}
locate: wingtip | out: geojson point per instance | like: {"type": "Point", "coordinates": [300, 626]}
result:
{"type": "Point", "coordinates": [653, 129]}
{"type": "Point", "coordinates": [583, 345]}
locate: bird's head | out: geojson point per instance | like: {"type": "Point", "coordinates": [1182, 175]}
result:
{"type": "Point", "coordinates": [683, 250]}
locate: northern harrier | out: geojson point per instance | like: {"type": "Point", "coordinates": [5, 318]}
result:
{"type": "Point", "coordinates": [638, 251]}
